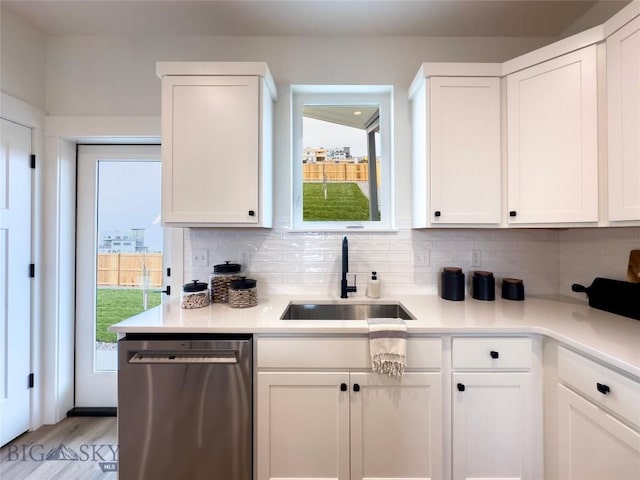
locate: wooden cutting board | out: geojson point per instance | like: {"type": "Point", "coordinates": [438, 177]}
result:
{"type": "Point", "coordinates": [633, 273]}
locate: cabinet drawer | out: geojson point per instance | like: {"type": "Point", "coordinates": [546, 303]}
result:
{"type": "Point", "coordinates": [339, 352]}
{"type": "Point", "coordinates": [492, 353]}
{"type": "Point", "coordinates": [605, 387]}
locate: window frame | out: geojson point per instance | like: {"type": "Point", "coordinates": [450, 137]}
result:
{"type": "Point", "coordinates": [351, 95]}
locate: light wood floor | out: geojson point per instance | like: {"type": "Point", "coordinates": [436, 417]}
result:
{"type": "Point", "coordinates": [92, 439]}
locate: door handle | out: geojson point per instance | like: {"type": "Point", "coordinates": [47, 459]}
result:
{"type": "Point", "coordinates": [166, 291]}
{"type": "Point", "coordinates": [343, 387]}
{"type": "Point", "coordinates": [494, 354]}
{"type": "Point", "coordinates": [356, 387]}
{"type": "Point", "coordinates": [461, 387]}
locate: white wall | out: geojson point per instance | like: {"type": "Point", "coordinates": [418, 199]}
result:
{"type": "Point", "coordinates": [22, 60]}
{"type": "Point", "coordinates": [116, 75]}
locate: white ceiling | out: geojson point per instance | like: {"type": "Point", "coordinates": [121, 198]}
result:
{"type": "Point", "coordinates": [531, 18]}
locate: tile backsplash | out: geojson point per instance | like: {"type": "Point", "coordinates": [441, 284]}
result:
{"type": "Point", "coordinates": [410, 261]}
{"type": "Point", "coordinates": [594, 252]}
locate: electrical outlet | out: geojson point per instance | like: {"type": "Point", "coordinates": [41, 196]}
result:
{"type": "Point", "coordinates": [200, 257]}
{"type": "Point", "coordinates": [421, 259]}
{"type": "Point", "coordinates": [476, 258]}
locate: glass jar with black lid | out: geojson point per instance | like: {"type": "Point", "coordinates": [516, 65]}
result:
{"type": "Point", "coordinates": [219, 281]}
{"type": "Point", "coordinates": [194, 295]}
{"type": "Point", "coordinates": [243, 293]}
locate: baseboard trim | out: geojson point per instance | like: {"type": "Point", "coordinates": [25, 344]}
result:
{"type": "Point", "coordinates": [93, 412]}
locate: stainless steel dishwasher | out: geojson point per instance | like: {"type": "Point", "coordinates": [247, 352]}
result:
{"type": "Point", "coordinates": [185, 407]}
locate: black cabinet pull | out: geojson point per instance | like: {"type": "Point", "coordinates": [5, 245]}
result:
{"type": "Point", "coordinates": [252, 213]}
{"type": "Point", "coordinates": [494, 354]}
{"type": "Point", "coordinates": [343, 387]}
{"type": "Point", "coordinates": [356, 387]}
{"type": "Point", "coordinates": [602, 388]}
{"type": "Point", "coordinates": [461, 387]}
{"type": "Point", "coordinates": [437, 213]}
{"type": "Point", "coordinates": [513, 213]}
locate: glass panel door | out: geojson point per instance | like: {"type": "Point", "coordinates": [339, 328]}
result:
{"type": "Point", "coordinates": [120, 257]}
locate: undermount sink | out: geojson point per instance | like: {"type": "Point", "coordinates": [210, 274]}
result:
{"type": "Point", "coordinates": [344, 311]}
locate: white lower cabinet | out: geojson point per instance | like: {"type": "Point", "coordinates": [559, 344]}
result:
{"type": "Point", "coordinates": [341, 425]}
{"type": "Point", "coordinates": [322, 414]}
{"type": "Point", "coordinates": [496, 420]}
{"type": "Point", "coordinates": [593, 445]}
{"type": "Point", "coordinates": [396, 426]}
{"type": "Point", "coordinates": [303, 425]}
{"type": "Point", "coordinates": [598, 420]}
{"type": "Point", "coordinates": [492, 426]}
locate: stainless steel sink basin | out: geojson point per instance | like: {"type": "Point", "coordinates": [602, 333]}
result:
{"type": "Point", "coordinates": [344, 311]}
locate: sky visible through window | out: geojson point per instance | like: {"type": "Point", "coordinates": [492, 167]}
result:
{"type": "Point", "coordinates": [129, 198]}
{"type": "Point", "coordinates": [321, 134]}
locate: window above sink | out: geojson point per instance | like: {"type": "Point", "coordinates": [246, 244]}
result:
{"type": "Point", "coordinates": [342, 157]}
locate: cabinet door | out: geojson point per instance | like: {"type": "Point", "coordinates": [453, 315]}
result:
{"type": "Point", "coordinates": [210, 149]}
{"type": "Point", "coordinates": [592, 444]}
{"type": "Point", "coordinates": [623, 96]}
{"type": "Point", "coordinates": [303, 426]}
{"type": "Point", "coordinates": [465, 150]}
{"type": "Point", "coordinates": [492, 426]}
{"type": "Point", "coordinates": [396, 426]}
{"type": "Point", "coordinates": [552, 141]}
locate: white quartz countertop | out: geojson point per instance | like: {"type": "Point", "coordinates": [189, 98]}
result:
{"type": "Point", "coordinates": [611, 338]}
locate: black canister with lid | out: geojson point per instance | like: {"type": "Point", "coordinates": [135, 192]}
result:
{"type": "Point", "coordinates": [483, 286]}
{"type": "Point", "coordinates": [452, 284]}
{"type": "Point", "coordinates": [512, 289]}
{"type": "Point", "coordinates": [222, 276]}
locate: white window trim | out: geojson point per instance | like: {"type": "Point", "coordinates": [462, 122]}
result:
{"type": "Point", "coordinates": [380, 95]}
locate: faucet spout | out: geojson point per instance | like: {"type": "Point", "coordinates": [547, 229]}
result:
{"type": "Point", "coordinates": [345, 288]}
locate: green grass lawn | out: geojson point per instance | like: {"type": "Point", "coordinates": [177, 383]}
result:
{"type": "Point", "coordinates": [345, 202]}
{"type": "Point", "coordinates": [116, 304]}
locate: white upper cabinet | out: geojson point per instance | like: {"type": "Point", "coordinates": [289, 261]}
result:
{"type": "Point", "coordinates": [623, 98]}
{"type": "Point", "coordinates": [216, 144]}
{"type": "Point", "coordinates": [552, 138]}
{"type": "Point", "coordinates": [456, 151]}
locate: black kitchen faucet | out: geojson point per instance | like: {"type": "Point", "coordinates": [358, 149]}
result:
{"type": "Point", "coordinates": [345, 288]}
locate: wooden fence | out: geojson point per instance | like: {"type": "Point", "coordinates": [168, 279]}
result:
{"type": "Point", "coordinates": [337, 172]}
{"type": "Point", "coordinates": [125, 269]}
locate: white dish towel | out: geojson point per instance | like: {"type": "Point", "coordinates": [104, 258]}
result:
{"type": "Point", "coordinates": [388, 345]}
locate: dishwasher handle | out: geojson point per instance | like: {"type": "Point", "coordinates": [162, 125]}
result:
{"type": "Point", "coordinates": [182, 357]}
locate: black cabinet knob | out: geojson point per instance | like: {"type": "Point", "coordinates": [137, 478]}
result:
{"type": "Point", "coordinates": [602, 388]}
{"type": "Point", "coordinates": [461, 387]}
{"type": "Point", "coordinates": [356, 387]}
{"type": "Point", "coordinates": [513, 213]}
{"type": "Point", "coordinates": [494, 354]}
{"type": "Point", "coordinates": [252, 213]}
{"type": "Point", "coordinates": [343, 387]}
{"type": "Point", "coordinates": [437, 213]}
